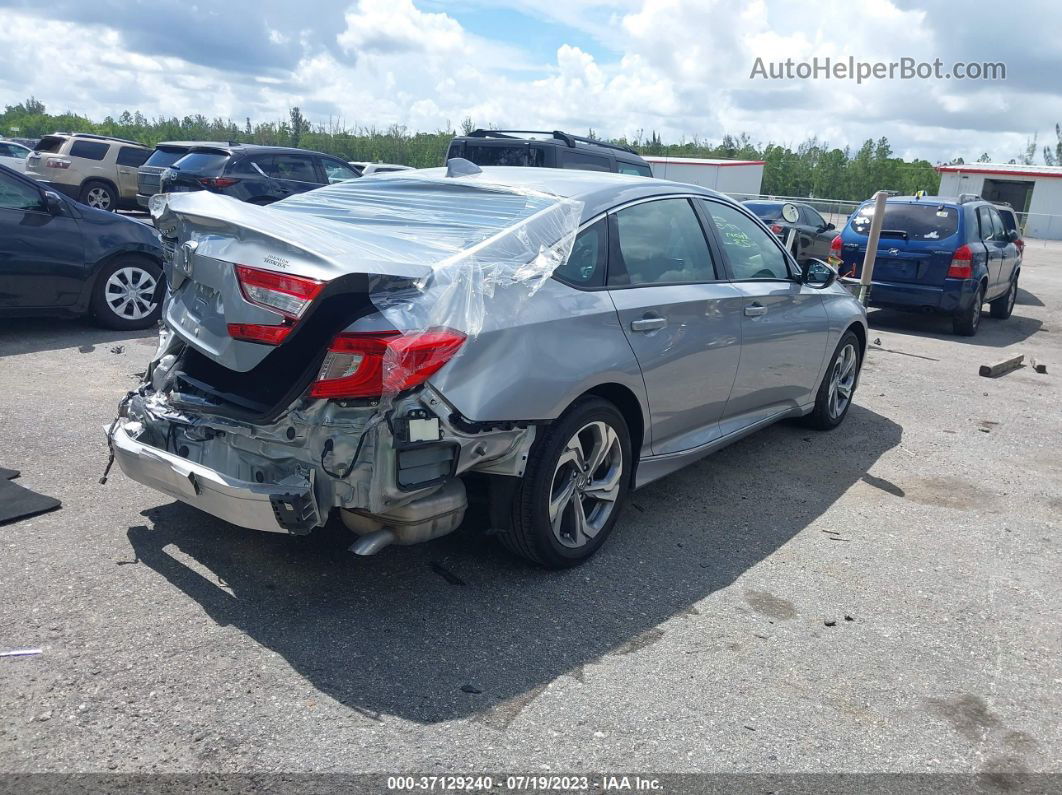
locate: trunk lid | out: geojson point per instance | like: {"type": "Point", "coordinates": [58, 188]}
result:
{"type": "Point", "coordinates": [916, 245]}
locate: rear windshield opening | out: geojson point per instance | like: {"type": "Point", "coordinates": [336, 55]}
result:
{"type": "Point", "coordinates": [49, 143]}
{"type": "Point", "coordinates": [201, 161]}
{"type": "Point", "coordinates": [163, 157]}
{"type": "Point", "coordinates": [918, 221]}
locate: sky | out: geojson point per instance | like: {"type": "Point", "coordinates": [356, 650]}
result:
{"type": "Point", "coordinates": [680, 68]}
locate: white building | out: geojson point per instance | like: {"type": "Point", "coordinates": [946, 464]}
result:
{"type": "Point", "coordinates": [1035, 190]}
{"type": "Point", "coordinates": [725, 176]}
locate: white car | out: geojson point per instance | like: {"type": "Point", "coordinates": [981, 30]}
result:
{"type": "Point", "coordinates": [364, 168]}
{"type": "Point", "coordinates": [13, 155]}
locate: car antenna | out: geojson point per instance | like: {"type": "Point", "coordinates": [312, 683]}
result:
{"type": "Point", "coordinates": [459, 167]}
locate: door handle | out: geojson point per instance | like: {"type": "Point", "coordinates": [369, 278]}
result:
{"type": "Point", "coordinates": [755, 310]}
{"type": "Point", "coordinates": [648, 324]}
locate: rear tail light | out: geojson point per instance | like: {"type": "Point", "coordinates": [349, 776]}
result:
{"type": "Point", "coordinates": [281, 292]}
{"type": "Point", "coordinates": [835, 257]}
{"type": "Point", "coordinates": [257, 332]}
{"type": "Point", "coordinates": [776, 228]}
{"type": "Point", "coordinates": [218, 182]}
{"type": "Point", "coordinates": [367, 365]}
{"type": "Point", "coordinates": [961, 263]}
{"type": "Point", "coordinates": [55, 162]}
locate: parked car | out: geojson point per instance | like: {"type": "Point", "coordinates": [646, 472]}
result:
{"type": "Point", "coordinates": [94, 169]}
{"type": "Point", "coordinates": [252, 173]}
{"type": "Point", "coordinates": [58, 257]}
{"type": "Point", "coordinates": [165, 155]}
{"type": "Point", "coordinates": [1011, 224]}
{"type": "Point", "coordinates": [13, 155]}
{"type": "Point", "coordinates": [947, 255]}
{"type": "Point", "coordinates": [381, 347]}
{"type": "Point", "coordinates": [554, 149]}
{"type": "Point", "coordinates": [813, 234]}
{"type": "Point", "coordinates": [365, 168]}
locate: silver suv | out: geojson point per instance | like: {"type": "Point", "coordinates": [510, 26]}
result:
{"type": "Point", "coordinates": [551, 339]}
{"type": "Point", "coordinates": [94, 169]}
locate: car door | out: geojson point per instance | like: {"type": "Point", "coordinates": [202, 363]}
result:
{"type": "Point", "coordinates": [333, 171]}
{"type": "Point", "coordinates": [995, 244]}
{"type": "Point", "coordinates": [42, 259]}
{"type": "Point", "coordinates": [128, 162]}
{"type": "Point", "coordinates": [784, 326]}
{"type": "Point", "coordinates": [817, 232]}
{"type": "Point", "coordinates": [1008, 250]}
{"type": "Point", "coordinates": [680, 316]}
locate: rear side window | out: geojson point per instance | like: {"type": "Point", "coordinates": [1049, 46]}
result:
{"type": "Point", "coordinates": [294, 167]}
{"type": "Point", "coordinates": [90, 150]}
{"type": "Point", "coordinates": [915, 221]}
{"type": "Point", "coordinates": [586, 265]}
{"type": "Point", "coordinates": [586, 162]}
{"type": "Point", "coordinates": [498, 154]}
{"type": "Point", "coordinates": [201, 162]}
{"type": "Point", "coordinates": [660, 242]}
{"type": "Point", "coordinates": [633, 168]}
{"type": "Point", "coordinates": [165, 157]}
{"type": "Point", "coordinates": [49, 143]}
{"type": "Point", "coordinates": [132, 156]}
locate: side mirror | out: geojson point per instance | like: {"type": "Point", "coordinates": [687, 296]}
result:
{"type": "Point", "coordinates": [54, 202]}
{"type": "Point", "coordinates": [1013, 236]}
{"type": "Point", "coordinates": [828, 227]}
{"type": "Point", "coordinates": [816, 273]}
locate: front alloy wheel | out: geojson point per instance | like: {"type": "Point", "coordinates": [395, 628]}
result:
{"type": "Point", "coordinates": [125, 294]}
{"type": "Point", "coordinates": [842, 380]}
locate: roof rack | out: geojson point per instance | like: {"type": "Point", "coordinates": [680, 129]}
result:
{"type": "Point", "coordinates": [568, 138]}
{"type": "Point", "coordinates": [101, 138]}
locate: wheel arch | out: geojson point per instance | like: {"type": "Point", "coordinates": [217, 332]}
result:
{"type": "Point", "coordinates": [102, 264]}
{"type": "Point", "coordinates": [104, 180]}
{"type": "Point", "coordinates": [861, 334]}
{"type": "Point", "coordinates": [631, 408]}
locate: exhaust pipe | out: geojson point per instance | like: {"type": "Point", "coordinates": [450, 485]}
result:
{"type": "Point", "coordinates": [372, 543]}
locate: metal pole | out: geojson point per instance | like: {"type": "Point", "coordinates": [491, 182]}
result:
{"type": "Point", "coordinates": [867, 272]}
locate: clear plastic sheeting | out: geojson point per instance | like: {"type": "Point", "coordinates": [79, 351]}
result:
{"type": "Point", "coordinates": [440, 252]}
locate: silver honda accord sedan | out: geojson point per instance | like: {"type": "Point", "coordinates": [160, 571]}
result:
{"type": "Point", "coordinates": [548, 340]}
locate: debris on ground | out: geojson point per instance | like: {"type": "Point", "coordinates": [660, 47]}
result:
{"type": "Point", "coordinates": [118, 349]}
{"type": "Point", "coordinates": [830, 623]}
{"type": "Point", "coordinates": [446, 574]}
{"type": "Point", "coordinates": [20, 653]}
{"type": "Point", "coordinates": [1003, 367]}
{"type": "Point", "coordinates": [470, 689]}
{"type": "Point", "coordinates": [1038, 367]}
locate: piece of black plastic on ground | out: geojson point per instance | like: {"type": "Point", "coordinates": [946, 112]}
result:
{"type": "Point", "coordinates": [17, 502]}
{"type": "Point", "coordinates": [8, 474]}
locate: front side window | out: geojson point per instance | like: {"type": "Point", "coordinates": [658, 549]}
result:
{"type": "Point", "coordinates": [812, 218]}
{"type": "Point", "coordinates": [660, 242]}
{"type": "Point", "coordinates": [750, 250]}
{"type": "Point", "coordinates": [339, 172]}
{"type": "Point", "coordinates": [586, 265]}
{"type": "Point", "coordinates": [988, 230]}
{"type": "Point", "coordinates": [90, 150]}
{"type": "Point", "coordinates": [16, 195]}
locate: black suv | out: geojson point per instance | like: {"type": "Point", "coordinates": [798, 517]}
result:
{"type": "Point", "coordinates": [554, 149]}
{"type": "Point", "coordinates": [251, 173]}
{"type": "Point", "coordinates": [165, 155]}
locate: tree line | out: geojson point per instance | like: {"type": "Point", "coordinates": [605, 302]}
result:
{"type": "Point", "coordinates": [812, 168]}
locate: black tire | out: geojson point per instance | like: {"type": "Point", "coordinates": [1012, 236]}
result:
{"type": "Point", "coordinates": [110, 310]}
{"type": "Point", "coordinates": [966, 322]}
{"type": "Point", "coordinates": [1003, 306]}
{"type": "Point", "coordinates": [825, 416]}
{"type": "Point", "coordinates": [530, 532]}
{"type": "Point", "coordinates": [98, 194]}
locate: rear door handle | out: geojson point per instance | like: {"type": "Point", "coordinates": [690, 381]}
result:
{"type": "Point", "coordinates": [755, 310]}
{"type": "Point", "coordinates": [648, 324]}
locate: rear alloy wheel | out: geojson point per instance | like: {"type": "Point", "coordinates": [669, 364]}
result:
{"type": "Point", "coordinates": [1003, 306]}
{"type": "Point", "coordinates": [98, 195]}
{"type": "Point", "coordinates": [124, 295]}
{"type": "Point", "coordinates": [838, 385]}
{"type": "Point", "coordinates": [576, 482]}
{"type": "Point", "coordinates": [966, 322]}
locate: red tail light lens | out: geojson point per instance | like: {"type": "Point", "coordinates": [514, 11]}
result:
{"type": "Point", "coordinates": [961, 263]}
{"type": "Point", "coordinates": [776, 228]}
{"type": "Point", "coordinates": [366, 365]}
{"type": "Point", "coordinates": [218, 182]}
{"type": "Point", "coordinates": [835, 257]}
{"type": "Point", "coordinates": [256, 332]}
{"type": "Point", "coordinates": [54, 162]}
{"type": "Point", "coordinates": [281, 292]}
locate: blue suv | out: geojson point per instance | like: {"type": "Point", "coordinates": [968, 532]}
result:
{"type": "Point", "coordinates": [936, 254]}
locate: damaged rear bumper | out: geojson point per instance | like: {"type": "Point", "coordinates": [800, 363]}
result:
{"type": "Point", "coordinates": [286, 507]}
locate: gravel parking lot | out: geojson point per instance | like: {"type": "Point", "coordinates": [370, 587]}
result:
{"type": "Point", "coordinates": [881, 598]}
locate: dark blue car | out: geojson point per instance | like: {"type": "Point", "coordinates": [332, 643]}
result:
{"type": "Point", "coordinates": [60, 257]}
{"type": "Point", "coordinates": [936, 254]}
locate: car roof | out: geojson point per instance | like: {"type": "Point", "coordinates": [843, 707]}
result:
{"type": "Point", "coordinates": [189, 144]}
{"type": "Point", "coordinates": [250, 149]}
{"type": "Point", "coordinates": [597, 190]}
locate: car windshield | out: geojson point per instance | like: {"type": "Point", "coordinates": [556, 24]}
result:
{"type": "Point", "coordinates": [765, 211]}
{"type": "Point", "coordinates": [166, 156]}
{"type": "Point", "coordinates": [918, 221]}
{"type": "Point", "coordinates": [201, 161]}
